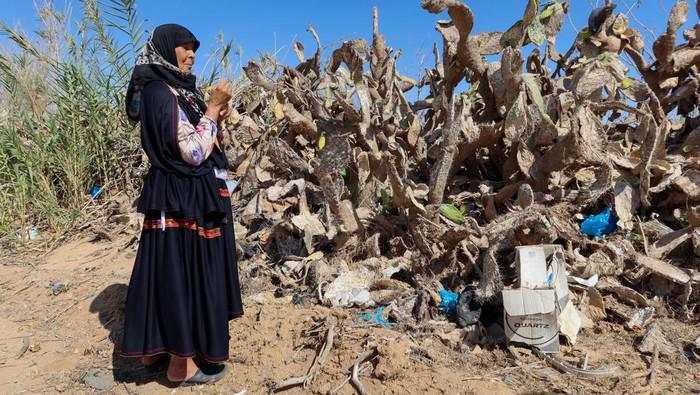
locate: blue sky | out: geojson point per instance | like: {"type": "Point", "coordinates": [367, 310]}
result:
{"type": "Point", "coordinates": [273, 25]}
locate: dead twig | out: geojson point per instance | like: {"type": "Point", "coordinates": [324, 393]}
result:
{"type": "Point", "coordinates": [585, 373]}
{"type": "Point", "coordinates": [317, 365]}
{"type": "Point", "coordinates": [354, 376]}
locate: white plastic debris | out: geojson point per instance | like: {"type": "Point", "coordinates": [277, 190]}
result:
{"type": "Point", "coordinates": [641, 318]}
{"type": "Point", "coordinates": [350, 289]}
{"type": "Point", "coordinates": [570, 322]}
{"type": "Point", "coordinates": [590, 283]}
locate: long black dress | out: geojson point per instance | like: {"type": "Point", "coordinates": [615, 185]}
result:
{"type": "Point", "coordinates": [184, 286]}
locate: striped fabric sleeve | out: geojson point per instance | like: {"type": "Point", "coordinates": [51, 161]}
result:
{"type": "Point", "coordinates": [195, 142]}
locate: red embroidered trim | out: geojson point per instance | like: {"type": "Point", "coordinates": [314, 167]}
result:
{"type": "Point", "coordinates": [191, 224]}
{"type": "Point", "coordinates": [223, 192]}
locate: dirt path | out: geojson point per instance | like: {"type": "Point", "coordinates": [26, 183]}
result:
{"type": "Point", "coordinates": [63, 312]}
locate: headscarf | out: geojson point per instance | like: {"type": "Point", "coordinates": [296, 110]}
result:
{"type": "Point", "coordinates": [158, 62]}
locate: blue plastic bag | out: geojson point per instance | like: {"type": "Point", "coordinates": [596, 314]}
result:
{"type": "Point", "coordinates": [448, 301]}
{"type": "Point", "coordinates": [375, 317]}
{"type": "Point", "coordinates": [599, 224]}
{"type": "Point", "coordinates": [95, 191]}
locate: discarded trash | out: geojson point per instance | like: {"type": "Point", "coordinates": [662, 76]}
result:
{"type": "Point", "coordinates": [350, 289]}
{"type": "Point", "coordinates": [95, 191]}
{"type": "Point", "coordinates": [590, 283]}
{"type": "Point", "coordinates": [448, 301]}
{"type": "Point", "coordinates": [570, 322]}
{"type": "Point", "coordinates": [468, 308]}
{"type": "Point", "coordinates": [33, 233]}
{"type": "Point", "coordinates": [530, 313]}
{"type": "Point", "coordinates": [530, 317]}
{"type": "Point", "coordinates": [231, 185]}
{"type": "Point", "coordinates": [641, 318]}
{"type": "Point", "coordinates": [57, 287]}
{"type": "Point", "coordinates": [376, 317]}
{"type": "Point", "coordinates": [599, 224]}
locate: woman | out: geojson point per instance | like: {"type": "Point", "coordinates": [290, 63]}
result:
{"type": "Point", "coordinates": [184, 286]}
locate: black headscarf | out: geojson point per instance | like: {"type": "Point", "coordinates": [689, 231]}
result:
{"type": "Point", "coordinates": [158, 62]}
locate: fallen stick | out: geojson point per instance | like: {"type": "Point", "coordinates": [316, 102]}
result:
{"type": "Point", "coordinates": [342, 383]}
{"type": "Point", "coordinates": [354, 379]}
{"type": "Point", "coordinates": [587, 373]}
{"type": "Point", "coordinates": [319, 362]}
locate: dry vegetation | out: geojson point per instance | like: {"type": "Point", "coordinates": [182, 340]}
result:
{"type": "Point", "coordinates": [334, 159]}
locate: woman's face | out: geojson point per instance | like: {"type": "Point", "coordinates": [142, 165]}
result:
{"type": "Point", "coordinates": [185, 57]}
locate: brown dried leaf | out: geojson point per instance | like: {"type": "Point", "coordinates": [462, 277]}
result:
{"type": "Point", "coordinates": [593, 305]}
{"type": "Point", "coordinates": [626, 204]}
{"type": "Point", "coordinates": [669, 242]}
{"type": "Point", "coordinates": [684, 58]}
{"type": "Point", "coordinates": [626, 294]}
{"type": "Point", "coordinates": [663, 48]}
{"type": "Point", "coordinates": [526, 159]}
{"type": "Point", "coordinates": [554, 22]}
{"type": "Point", "coordinates": [516, 121]}
{"type": "Point", "coordinates": [589, 81]}
{"type": "Point", "coordinates": [689, 183]}
{"type": "Point", "coordinates": [649, 129]}
{"type": "Point", "coordinates": [257, 77]}
{"type": "Point", "coordinates": [654, 341]}
{"type": "Point", "coordinates": [299, 51]}
{"type": "Point", "coordinates": [487, 43]}
{"type": "Point", "coordinates": [663, 269]}
{"type": "Point", "coordinates": [677, 17]}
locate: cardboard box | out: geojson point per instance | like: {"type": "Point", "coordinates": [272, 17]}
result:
{"type": "Point", "coordinates": [530, 311]}
{"type": "Point", "coordinates": [530, 317]}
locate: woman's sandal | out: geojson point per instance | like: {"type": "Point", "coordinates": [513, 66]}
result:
{"type": "Point", "coordinates": [200, 377]}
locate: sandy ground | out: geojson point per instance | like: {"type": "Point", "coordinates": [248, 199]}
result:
{"type": "Point", "coordinates": [61, 339]}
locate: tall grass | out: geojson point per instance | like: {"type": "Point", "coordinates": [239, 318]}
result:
{"type": "Point", "coordinates": [62, 128]}
{"type": "Point", "coordinates": [62, 125]}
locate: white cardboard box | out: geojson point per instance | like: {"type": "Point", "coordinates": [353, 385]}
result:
{"type": "Point", "coordinates": [530, 317]}
{"type": "Point", "coordinates": [530, 312]}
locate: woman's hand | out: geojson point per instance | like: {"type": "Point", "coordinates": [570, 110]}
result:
{"type": "Point", "coordinates": [225, 112]}
{"type": "Point", "coordinates": [218, 99]}
{"type": "Point", "coordinates": [221, 94]}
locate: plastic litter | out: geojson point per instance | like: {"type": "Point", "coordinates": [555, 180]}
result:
{"type": "Point", "coordinates": [375, 317]}
{"type": "Point", "coordinates": [57, 287]}
{"type": "Point", "coordinates": [591, 282]}
{"type": "Point", "coordinates": [641, 318]}
{"type": "Point", "coordinates": [33, 233]}
{"type": "Point", "coordinates": [231, 185]}
{"type": "Point", "coordinates": [448, 301]}
{"type": "Point", "coordinates": [468, 308]}
{"type": "Point", "coordinates": [570, 322]}
{"type": "Point", "coordinates": [95, 191]}
{"type": "Point", "coordinates": [599, 224]}
{"type": "Point", "coordinates": [350, 289]}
